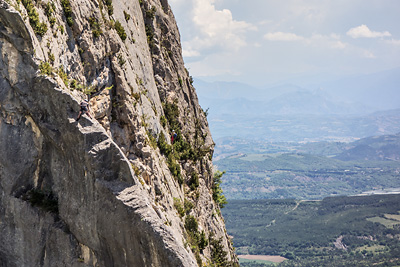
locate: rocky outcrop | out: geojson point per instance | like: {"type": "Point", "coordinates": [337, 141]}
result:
{"type": "Point", "coordinates": [113, 190]}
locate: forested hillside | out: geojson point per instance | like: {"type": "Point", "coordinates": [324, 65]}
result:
{"type": "Point", "coordinates": [337, 231]}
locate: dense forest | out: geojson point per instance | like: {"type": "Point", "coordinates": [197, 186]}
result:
{"type": "Point", "coordinates": [349, 231]}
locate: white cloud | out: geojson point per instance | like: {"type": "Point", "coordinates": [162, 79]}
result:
{"type": "Point", "coordinates": [331, 41]}
{"type": "Point", "coordinates": [282, 36]}
{"type": "Point", "coordinates": [364, 32]}
{"type": "Point", "coordinates": [255, 39]}
{"type": "Point", "coordinates": [393, 42]}
{"type": "Point", "coordinates": [368, 54]}
{"type": "Point", "coordinates": [216, 29]}
{"type": "Point", "coordinates": [339, 45]}
{"type": "Point", "coordinates": [187, 52]}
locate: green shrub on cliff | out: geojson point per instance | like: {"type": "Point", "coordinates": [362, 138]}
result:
{"type": "Point", "coordinates": [38, 27]}
{"type": "Point", "coordinates": [45, 68]}
{"type": "Point", "coordinates": [217, 193]}
{"type": "Point", "coordinates": [126, 15]}
{"type": "Point", "coordinates": [120, 30]}
{"type": "Point", "coordinates": [95, 26]}
{"type": "Point", "coordinates": [110, 7]}
{"type": "Point", "coordinates": [67, 11]}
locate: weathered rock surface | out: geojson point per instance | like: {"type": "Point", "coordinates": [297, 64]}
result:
{"type": "Point", "coordinates": [99, 192]}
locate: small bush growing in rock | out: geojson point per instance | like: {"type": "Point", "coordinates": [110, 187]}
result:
{"type": "Point", "coordinates": [110, 7]}
{"type": "Point", "coordinates": [217, 193]}
{"type": "Point", "coordinates": [38, 27]}
{"type": "Point", "coordinates": [175, 168]}
{"type": "Point", "coordinates": [121, 60]}
{"type": "Point", "coordinates": [178, 207]}
{"type": "Point", "coordinates": [203, 242]}
{"type": "Point", "coordinates": [49, 9]}
{"type": "Point", "coordinates": [188, 206]}
{"type": "Point", "coordinates": [51, 57]}
{"type": "Point", "coordinates": [45, 68]}
{"type": "Point", "coordinates": [191, 224]}
{"type": "Point", "coordinates": [67, 11]}
{"type": "Point", "coordinates": [163, 121]}
{"type": "Point", "coordinates": [126, 15]}
{"type": "Point", "coordinates": [95, 26]}
{"type": "Point", "coordinates": [61, 28]}
{"type": "Point", "coordinates": [218, 254]}
{"type": "Point", "coordinates": [152, 139]}
{"type": "Point", "coordinates": [150, 35]}
{"type": "Point", "coordinates": [52, 21]}
{"type": "Point", "coordinates": [171, 112]}
{"type": "Point", "coordinates": [193, 182]}
{"type": "Point", "coordinates": [136, 96]}
{"type": "Point", "coordinates": [73, 84]}
{"type": "Point", "coordinates": [165, 148]}
{"type": "Point", "coordinates": [120, 30]}
{"type": "Point", "coordinates": [150, 13]}
{"type": "Point", "coordinates": [63, 75]}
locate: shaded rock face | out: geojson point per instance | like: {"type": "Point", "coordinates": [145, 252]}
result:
{"type": "Point", "coordinates": [101, 192]}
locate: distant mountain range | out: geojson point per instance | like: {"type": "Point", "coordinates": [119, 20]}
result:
{"type": "Point", "coordinates": [386, 147]}
{"type": "Point", "coordinates": [304, 128]}
{"type": "Point", "coordinates": [352, 95]}
{"type": "Point", "coordinates": [341, 110]}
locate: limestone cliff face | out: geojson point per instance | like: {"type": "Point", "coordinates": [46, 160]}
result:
{"type": "Point", "coordinates": [113, 190]}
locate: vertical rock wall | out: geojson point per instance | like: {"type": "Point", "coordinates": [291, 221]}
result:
{"type": "Point", "coordinates": [112, 191]}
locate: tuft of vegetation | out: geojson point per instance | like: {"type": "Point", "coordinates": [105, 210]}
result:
{"type": "Point", "coordinates": [193, 182]}
{"type": "Point", "coordinates": [61, 28]}
{"type": "Point", "coordinates": [45, 68]}
{"type": "Point", "coordinates": [150, 36]}
{"type": "Point", "coordinates": [188, 206]}
{"type": "Point", "coordinates": [49, 9]}
{"type": "Point", "coordinates": [63, 75]}
{"type": "Point", "coordinates": [51, 57]}
{"type": "Point", "coordinates": [127, 16]}
{"type": "Point", "coordinates": [163, 121]}
{"type": "Point", "coordinates": [217, 193]}
{"type": "Point", "coordinates": [171, 112]}
{"type": "Point", "coordinates": [165, 148]}
{"type": "Point", "coordinates": [110, 7]}
{"type": "Point", "coordinates": [136, 96]}
{"type": "Point", "coordinates": [73, 84]}
{"type": "Point", "coordinates": [218, 254]}
{"type": "Point", "coordinates": [178, 206]}
{"type": "Point", "coordinates": [40, 28]}
{"type": "Point", "coordinates": [121, 60]}
{"type": "Point", "coordinates": [172, 156]}
{"type": "Point", "coordinates": [52, 21]}
{"type": "Point", "coordinates": [150, 13]}
{"type": "Point", "coordinates": [68, 12]}
{"type": "Point", "coordinates": [197, 240]}
{"type": "Point", "coordinates": [191, 224]}
{"type": "Point", "coordinates": [95, 26]}
{"type": "Point", "coordinates": [152, 139]}
{"type": "Point", "coordinates": [175, 168]}
{"type": "Point", "coordinates": [120, 30]}
{"type": "Point", "coordinates": [89, 90]}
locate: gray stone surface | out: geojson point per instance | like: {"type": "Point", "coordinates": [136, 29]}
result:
{"type": "Point", "coordinates": [114, 191]}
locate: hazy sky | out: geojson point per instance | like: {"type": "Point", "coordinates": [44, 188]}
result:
{"type": "Point", "coordinates": [263, 41]}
